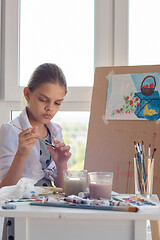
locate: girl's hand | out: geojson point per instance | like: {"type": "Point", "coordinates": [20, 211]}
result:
{"type": "Point", "coordinates": [27, 139]}
{"type": "Point", "coordinates": [61, 154]}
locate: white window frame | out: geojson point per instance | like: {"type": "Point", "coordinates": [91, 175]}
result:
{"type": "Point", "coordinates": [121, 32]}
{"type": "Point", "coordinates": [111, 48]}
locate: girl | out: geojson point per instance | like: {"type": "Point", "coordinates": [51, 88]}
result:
{"type": "Point", "coordinates": [21, 152]}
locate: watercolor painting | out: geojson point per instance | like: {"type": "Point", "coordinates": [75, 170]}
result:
{"type": "Point", "coordinates": [133, 96]}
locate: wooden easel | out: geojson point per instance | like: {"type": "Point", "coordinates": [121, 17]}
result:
{"type": "Point", "coordinates": [110, 146]}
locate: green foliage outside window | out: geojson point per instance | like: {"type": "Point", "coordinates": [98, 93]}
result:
{"type": "Point", "coordinates": [75, 135]}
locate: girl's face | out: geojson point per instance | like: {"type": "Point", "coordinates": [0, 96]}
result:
{"type": "Point", "coordinates": [44, 102]}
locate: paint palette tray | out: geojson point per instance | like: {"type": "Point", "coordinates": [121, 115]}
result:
{"type": "Point", "coordinates": [50, 190]}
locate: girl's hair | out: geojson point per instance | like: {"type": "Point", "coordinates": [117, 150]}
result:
{"type": "Point", "coordinates": [47, 72]}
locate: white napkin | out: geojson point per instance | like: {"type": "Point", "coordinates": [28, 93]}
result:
{"type": "Point", "coordinates": [23, 189]}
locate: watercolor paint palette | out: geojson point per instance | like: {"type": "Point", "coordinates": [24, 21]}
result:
{"type": "Point", "coordinates": [137, 201]}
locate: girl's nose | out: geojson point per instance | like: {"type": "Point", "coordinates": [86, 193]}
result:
{"type": "Point", "coordinates": [49, 107]}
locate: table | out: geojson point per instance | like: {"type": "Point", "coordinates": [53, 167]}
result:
{"type": "Point", "coordinates": [36, 222]}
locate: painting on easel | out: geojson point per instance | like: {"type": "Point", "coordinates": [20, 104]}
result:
{"type": "Point", "coordinates": [133, 96]}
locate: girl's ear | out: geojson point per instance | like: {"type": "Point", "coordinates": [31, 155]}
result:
{"type": "Point", "coordinates": [26, 93]}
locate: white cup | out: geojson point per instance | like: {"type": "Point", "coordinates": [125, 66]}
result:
{"type": "Point", "coordinates": [100, 184]}
{"type": "Point", "coordinates": [75, 181]}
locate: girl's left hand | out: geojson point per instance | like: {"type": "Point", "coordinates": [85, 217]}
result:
{"type": "Point", "coordinates": [61, 153]}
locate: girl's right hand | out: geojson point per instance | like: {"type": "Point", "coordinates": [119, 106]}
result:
{"type": "Point", "coordinates": [27, 139]}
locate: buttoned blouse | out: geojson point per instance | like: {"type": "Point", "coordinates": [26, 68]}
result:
{"type": "Point", "coordinates": [9, 145]}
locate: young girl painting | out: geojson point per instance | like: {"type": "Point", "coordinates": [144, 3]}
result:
{"type": "Point", "coordinates": [22, 153]}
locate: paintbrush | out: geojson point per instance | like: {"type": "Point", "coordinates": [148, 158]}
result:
{"type": "Point", "coordinates": [153, 152]}
{"type": "Point", "coordinates": [40, 139]}
{"type": "Point", "coordinates": [85, 206]}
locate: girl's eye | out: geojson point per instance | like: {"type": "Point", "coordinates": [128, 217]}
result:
{"type": "Point", "coordinates": [42, 100]}
{"type": "Point", "coordinates": [57, 103]}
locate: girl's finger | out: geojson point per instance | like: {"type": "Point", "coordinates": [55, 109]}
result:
{"type": "Point", "coordinates": [58, 145]}
{"type": "Point", "coordinates": [25, 132]}
{"type": "Point", "coordinates": [68, 154]}
{"type": "Point", "coordinates": [34, 129]}
{"type": "Point", "coordinates": [51, 149]}
{"type": "Point", "coordinates": [65, 148]}
{"type": "Point", "coordinates": [25, 137]}
{"type": "Point", "coordinates": [31, 141]}
{"type": "Point", "coordinates": [28, 136]}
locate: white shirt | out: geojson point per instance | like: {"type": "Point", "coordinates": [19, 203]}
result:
{"type": "Point", "coordinates": [9, 145]}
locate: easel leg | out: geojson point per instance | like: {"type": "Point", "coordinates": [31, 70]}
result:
{"type": "Point", "coordinates": [155, 230]}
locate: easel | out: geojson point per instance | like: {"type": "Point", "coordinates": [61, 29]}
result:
{"type": "Point", "coordinates": [110, 146]}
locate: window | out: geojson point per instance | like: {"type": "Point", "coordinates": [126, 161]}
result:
{"type": "Point", "coordinates": [144, 47]}
{"type": "Point", "coordinates": [61, 32]}
{"type": "Point", "coordinates": [103, 50]}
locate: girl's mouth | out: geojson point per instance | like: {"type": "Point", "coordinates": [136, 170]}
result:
{"type": "Point", "coordinates": [47, 116]}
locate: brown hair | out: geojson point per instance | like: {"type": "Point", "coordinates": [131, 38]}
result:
{"type": "Point", "coordinates": [47, 72]}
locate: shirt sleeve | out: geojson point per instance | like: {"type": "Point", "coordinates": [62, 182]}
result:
{"type": "Point", "coordinates": [8, 147]}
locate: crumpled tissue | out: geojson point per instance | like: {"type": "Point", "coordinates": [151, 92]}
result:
{"type": "Point", "coordinates": [23, 189]}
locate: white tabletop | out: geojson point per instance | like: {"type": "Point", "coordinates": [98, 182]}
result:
{"type": "Point", "coordinates": [23, 210]}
